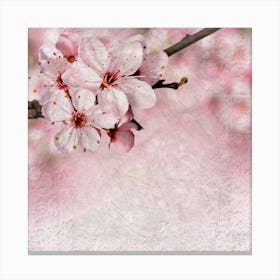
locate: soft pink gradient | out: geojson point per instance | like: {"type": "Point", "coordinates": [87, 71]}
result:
{"type": "Point", "coordinates": [184, 186]}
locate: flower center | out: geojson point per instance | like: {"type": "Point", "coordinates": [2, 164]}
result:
{"type": "Point", "coordinates": [78, 120]}
{"type": "Point", "coordinates": [109, 79]}
{"type": "Point", "coordinates": [60, 84]}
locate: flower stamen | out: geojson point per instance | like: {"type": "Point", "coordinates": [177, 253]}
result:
{"type": "Point", "coordinates": [78, 120]}
{"type": "Point", "coordinates": [109, 79]}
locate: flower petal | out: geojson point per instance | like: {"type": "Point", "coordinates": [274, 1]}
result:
{"type": "Point", "coordinates": [94, 54]}
{"type": "Point", "coordinates": [67, 139]}
{"type": "Point", "coordinates": [139, 93]}
{"type": "Point", "coordinates": [102, 119]}
{"type": "Point", "coordinates": [153, 67]}
{"type": "Point", "coordinates": [89, 138]}
{"type": "Point", "coordinates": [126, 59]}
{"type": "Point", "coordinates": [83, 99]}
{"type": "Point", "coordinates": [127, 117]}
{"type": "Point", "coordinates": [123, 140]}
{"type": "Point", "coordinates": [68, 41]}
{"type": "Point", "coordinates": [35, 86]}
{"type": "Point", "coordinates": [113, 100]}
{"type": "Point", "coordinates": [127, 126]}
{"type": "Point", "coordinates": [47, 93]}
{"type": "Point", "coordinates": [81, 75]}
{"type": "Point", "coordinates": [58, 110]}
{"type": "Point", "coordinates": [138, 37]}
{"type": "Point", "coordinates": [51, 61]}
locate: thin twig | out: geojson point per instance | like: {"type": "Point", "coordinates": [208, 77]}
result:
{"type": "Point", "coordinates": [190, 39]}
{"type": "Point", "coordinates": [160, 84]}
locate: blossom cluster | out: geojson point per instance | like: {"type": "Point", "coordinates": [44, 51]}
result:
{"type": "Point", "coordinates": [90, 87]}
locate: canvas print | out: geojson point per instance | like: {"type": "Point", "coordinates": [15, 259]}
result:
{"type": "Point", "coordinates": [139, 140]}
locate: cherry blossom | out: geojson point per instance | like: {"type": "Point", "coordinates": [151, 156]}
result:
{"type": "Point", "coordinates": [52, 65]}
{"type": "Point", "coordinates": [117, 88]}
{"type": "Point", "coordinates": [153, 67]}
{"type": "Point", "coordinates": [78, 75]}
{"type": "Point", "coordinates": [80, 118]}
{"type": "Point", "coordinates": [90, 83]}
{"type": "Point", "coordinates": [121, 136]}
{"type": "Point", "coordinates": [154, 62]}
{"type": "Point", "coordinates": [68, 43]}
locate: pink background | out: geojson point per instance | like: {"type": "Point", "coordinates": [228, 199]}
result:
{"type": "Point", "coordinates": [185, 186]}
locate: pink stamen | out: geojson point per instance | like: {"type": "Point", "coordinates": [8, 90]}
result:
{"type": "Point", "coordinates": [78, 120]}
{"type": "Point", "coordinates": [60, 84]}
{"type": "Point", "coordinates": [109, 79]}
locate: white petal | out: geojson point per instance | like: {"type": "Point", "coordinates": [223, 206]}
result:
{"type": "Point", "coordinates": [138, 37]}
{"type": "Point", "coordinates": [140, 94]}
{"type": "Point", "coordinates": [81, 75]}
{"type": "Point", "coordinates": [83, 99]}
{"type": "Point", "coordinates": [153, 67]}
{"type": "Point", "coordinates": [41, 88]}
{"type": "Point", "coordinates": [94, 54]}
{"type": "Point", "coordinates": [67, 139]}
{"type": "Point", "coordinates": [113, 100]}
{"type": "Point", "coordinates": [47, 94]}
{"type": "Point", "coordinates": [58, 110]}
{"type": "Point", "coordinates": [89, 138]}
{"type": "Point", "coordinates": [103, 119]}
{"type": "Point", "coordinates": [126, 59]}
{"type": "Point", "coordinates": [51, 61]}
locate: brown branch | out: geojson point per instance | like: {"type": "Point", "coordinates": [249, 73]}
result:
{"type": "Point", "coordinates": [189, 40]}
{"type": "Point", "coordinates": [160, 84]}
{"type": "Point", "coordinates": [34, 108]}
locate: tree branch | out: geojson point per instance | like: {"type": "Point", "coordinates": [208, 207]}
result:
{"type": "Point", "coordinates": [189, 40]}
{"type": "Point", "coordinates": [34, 108]}
{"type": "Point", "coordinates": [160, 84]}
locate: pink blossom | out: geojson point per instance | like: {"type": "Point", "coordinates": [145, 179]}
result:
{"type": "Point", "coordinates": [108, 36]}
{"type": "Point", "coordinates": [154, 63]}
{"type": "Point", "coordinates": [35, 84]}
{"type": "Point", "coordinates": [54, 72]}
{"type": "Point", "coordinates": [153, 67]}
{"type": "Point", "coordinates": [52, 64]}
{"type": "Point", "coordinates": [78, 75]}
{"type": "Point", "coordinates": [118, 88]}
{"type": "Point", "coordinates": [81, 120]}
{"type": "Point", "coordinates": [68, 43]}
{"type": "Point", "coordinates": [122, 136]}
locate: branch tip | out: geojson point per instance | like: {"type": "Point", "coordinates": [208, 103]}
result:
{"type": "Point", "coordinates": [160, 84]}
{"type": "Point", "coordinates": [183, 81]}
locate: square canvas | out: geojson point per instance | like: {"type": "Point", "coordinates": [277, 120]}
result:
{"type": "Point", "coordinates": [139, 140]}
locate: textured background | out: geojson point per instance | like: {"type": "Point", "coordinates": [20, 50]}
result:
{"type": "Point", "coordinates": [185, 186]}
